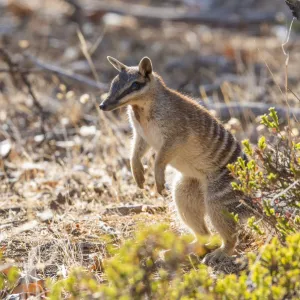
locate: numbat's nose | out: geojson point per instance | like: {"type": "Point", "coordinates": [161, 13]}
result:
{"type": "Point", "coordinates": [102, 106]}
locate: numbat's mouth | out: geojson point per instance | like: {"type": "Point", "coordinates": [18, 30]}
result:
{"type": "Point", "coordinates": [108, 107]}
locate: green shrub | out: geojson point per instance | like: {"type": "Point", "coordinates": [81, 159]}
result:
{"type": "Point", "coordinates": [271, 178]}
{"type": "Point", "coordinates": [134, 272]}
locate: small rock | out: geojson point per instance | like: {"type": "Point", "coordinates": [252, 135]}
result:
{"type": "Point", "coordinates": [87, 130]}
{"type": "Point", "coordinates": [5, 147]}
{"type": "Point", "coordinates": [45, 215]}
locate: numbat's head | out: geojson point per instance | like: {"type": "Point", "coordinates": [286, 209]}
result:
{"type": "Point", "coordinates": [130, 85]}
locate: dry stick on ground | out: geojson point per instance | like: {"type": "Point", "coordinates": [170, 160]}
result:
{"type": "Point", "coordinates": [26, 71]}
{"type": "Point", "coordinates": [213, 18]}
{"type": "Point", "coordinates": [134, 209]}
{"type": "Point", "coordinates": [67, 74]}
{"type": "Point", "coordinates": [12, 67]}
{"type": "Point", "coordinates": [14, 70]}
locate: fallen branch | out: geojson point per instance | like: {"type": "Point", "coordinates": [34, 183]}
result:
{"type": "Point", "coordinates": [26, 71]}
{"type": "Point", "coordinates": [68, 74]}
{"type": "Point", "coordinates": [13, 68]}
{"type": "Point", "coordinates": [212, 18]}
{"type": "Point", "coordinates": [14, 209]}
{"type": "Point", "coordinates": [134, 209]}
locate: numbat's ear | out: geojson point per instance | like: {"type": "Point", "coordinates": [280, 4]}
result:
{"type": "Point", "coordinates": [145, 66]}
{"type": "Point", "coordinates": [116, 64]}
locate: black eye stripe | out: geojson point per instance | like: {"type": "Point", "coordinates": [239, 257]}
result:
{"type": "Point", "coordinates": [130, 90]}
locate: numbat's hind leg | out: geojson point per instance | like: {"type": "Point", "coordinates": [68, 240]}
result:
{"type": "Point", "coordinates": [221, 201]}
{"type": "Point", "coordinates": [189, 199]}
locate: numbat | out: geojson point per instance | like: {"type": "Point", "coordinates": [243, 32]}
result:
{"type": "Point", "coordinates": [187, 137]}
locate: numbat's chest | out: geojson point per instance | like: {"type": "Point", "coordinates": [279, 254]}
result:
{"type": "Point", "coordinates": [146, 127]}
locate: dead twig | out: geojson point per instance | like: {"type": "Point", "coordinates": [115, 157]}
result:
{"type": "Point", "coordinates": [85, 52]}
{"type": "Point", "coordinates": [12, 67]}
{"type": "Point", "coordinates": [134, 209]}
{"type": "Point", "coordinates": [14, 209]}
{"type": "Point", "coordinates": [297, 97]}
{"type": "Point", "coordinates": [68, 74]}
{"type": "Point", "coordinates": [14, 70]}
{"type": "Point", "coordinates": [22, 70]}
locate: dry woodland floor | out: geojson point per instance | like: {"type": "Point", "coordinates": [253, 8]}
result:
{"type": "Point", "coordinates": [64, 164]}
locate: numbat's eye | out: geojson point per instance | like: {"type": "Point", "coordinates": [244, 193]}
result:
{"type": "Point", "coordinates": [135, 86]}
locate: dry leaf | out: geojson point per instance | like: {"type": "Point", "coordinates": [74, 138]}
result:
{"type": "Point", "coordinates": [49, 183]}
{"type": "Point", "coordinates": [5, 269]}
{"type": "Point", "coordinates": [19, 8]}
{"type": "Point", "coordinates": [28, 284]}
{"type": "Point", "coordinates": [33, 288]}
{"type": "Point", "coordinates": [31, 170]}
{"type": "Point", "coordinates": [97, 265]}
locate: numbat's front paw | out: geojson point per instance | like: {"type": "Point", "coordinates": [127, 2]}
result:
{"type": "Point", "coordinates": [214, 257]}
{"type": "Point", "coordinates": [160, 188]}
{"type": "Point", "coordinates": [160, 182]}
{"type": "Point", "coordinates": [138, 174]}
{"type": "Point", "coordinates": [139, 179]}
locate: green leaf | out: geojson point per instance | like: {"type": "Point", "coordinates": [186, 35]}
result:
{"type": "Point", "coordinates": [247, 147]}
{"type": "Point", "coordinates": [262, 143]}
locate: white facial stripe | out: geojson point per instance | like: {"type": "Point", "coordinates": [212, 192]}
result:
{"type": "Point", "coordinates": [131, 95]}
